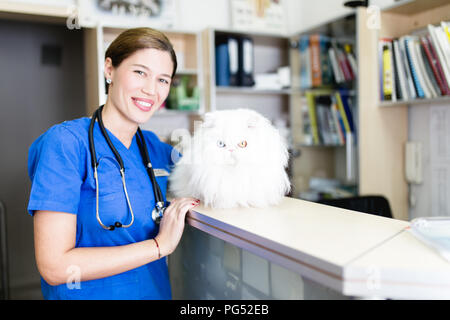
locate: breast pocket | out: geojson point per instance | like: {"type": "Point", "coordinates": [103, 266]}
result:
{"type": "Point", "coordinates": [109, 177]}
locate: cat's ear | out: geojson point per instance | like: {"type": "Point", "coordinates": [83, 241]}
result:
{"type": "Point", "coordinates": [209, 120]}
{"type": "Point", "coordinates": [252, 122]}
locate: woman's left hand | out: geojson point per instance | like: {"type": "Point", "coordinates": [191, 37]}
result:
{"type": "Point", "coordinates": [172, 224]}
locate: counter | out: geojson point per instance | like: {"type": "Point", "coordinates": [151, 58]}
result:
{"type": "Point", "coordinates": [343, 252]}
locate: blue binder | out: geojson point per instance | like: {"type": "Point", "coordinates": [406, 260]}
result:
{"type": "Point", "coordinates": [222, 65]}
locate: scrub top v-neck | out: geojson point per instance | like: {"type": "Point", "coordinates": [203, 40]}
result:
{"type": "Point", "coordinates": [62, 180]}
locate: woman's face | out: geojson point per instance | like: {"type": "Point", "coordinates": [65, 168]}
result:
{"type": "Point", "coordinates": [140, 84]}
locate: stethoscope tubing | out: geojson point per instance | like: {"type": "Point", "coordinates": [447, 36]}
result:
{"type": "Point", "coordinates": [159, 199]}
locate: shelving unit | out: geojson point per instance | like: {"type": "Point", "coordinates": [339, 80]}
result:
{"type": "Point", "coordinates": [384, 126]}
{"type": "Point", "coordinates": [187, 46]}
{"type": "Point", "coordinates": [270, 52]}
{"type": "Point", "coordinates": [324, 161]}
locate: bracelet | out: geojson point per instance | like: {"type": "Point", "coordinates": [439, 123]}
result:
{"type": "Point", "coordinates": [157, 245]}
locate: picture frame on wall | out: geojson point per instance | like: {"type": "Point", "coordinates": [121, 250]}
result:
{"type": "Point", "coordinates": [159, 14]}
{"type": "Point", "coordinates": [265, 16]}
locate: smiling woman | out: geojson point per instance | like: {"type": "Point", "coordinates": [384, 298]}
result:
{"type": "Point", "coordinates": [139, 66]}
{"type": "Point", "coordinates": [71, 190]}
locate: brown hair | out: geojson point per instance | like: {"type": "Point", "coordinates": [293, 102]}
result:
{"type": "Point", "coordinates": [132, 40]}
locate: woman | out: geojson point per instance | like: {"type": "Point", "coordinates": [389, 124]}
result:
{"type": "Point", "coordinates": [77, 257]}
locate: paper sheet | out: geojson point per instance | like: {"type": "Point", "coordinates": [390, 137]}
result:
{"type": "Point", "coordinates": [440, 160]}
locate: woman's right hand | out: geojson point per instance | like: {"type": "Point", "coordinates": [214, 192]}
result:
{"type": "Point", "coordinates": [172, 224]}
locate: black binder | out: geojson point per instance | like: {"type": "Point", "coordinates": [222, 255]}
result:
{"type": "Point", "coordinates": [246, 62]}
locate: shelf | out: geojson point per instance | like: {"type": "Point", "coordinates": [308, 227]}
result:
{"type": "Point", "coordinates": [321, 145]}
{"type": "Point", "coordinates": [188, 72]}
{"type": "Point", "coordinates": [445, 99]}
{"type": "Point", "coordinates": [251, 90]}
{"type": "Point", "coordinates": [410, 7]}
{"type": "Point", "coordinates": [172, 112]}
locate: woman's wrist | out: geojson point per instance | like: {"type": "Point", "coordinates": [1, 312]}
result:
{"type": "Point", "coordinates": [160, 247]}
{"type": "Point", "coordinates": [157, 246]}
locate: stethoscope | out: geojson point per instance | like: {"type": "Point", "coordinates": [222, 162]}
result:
{"type": "Point", "coordinates": [160, 206]}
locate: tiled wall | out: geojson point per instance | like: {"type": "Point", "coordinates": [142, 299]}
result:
{"type": "Point", "coordinates": [205, 267]}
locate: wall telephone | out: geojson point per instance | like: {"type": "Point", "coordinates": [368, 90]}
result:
{"type": "Point", "coordinates": [413, 162]}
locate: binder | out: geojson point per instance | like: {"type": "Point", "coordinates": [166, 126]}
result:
{"type": "Point", "coordinates": [246, 62]}
{"type": "Point", "coordinates": [222, 64]}
{"type": "Point", "coordinates": [233, 57]}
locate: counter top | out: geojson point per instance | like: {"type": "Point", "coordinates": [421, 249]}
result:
{"type": "Point", "coordinates": [317, 241]}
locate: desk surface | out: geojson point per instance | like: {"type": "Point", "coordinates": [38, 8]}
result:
{"type": "Point", "coordinates": [341, 249]}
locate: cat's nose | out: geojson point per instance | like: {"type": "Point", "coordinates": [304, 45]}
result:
{"type": "Point", "coordinates": [231, 150]}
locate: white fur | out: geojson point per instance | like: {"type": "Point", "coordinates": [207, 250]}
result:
{"type": "Point", "coordinates": [253, 176]}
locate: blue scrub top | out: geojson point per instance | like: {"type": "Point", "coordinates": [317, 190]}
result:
{"type": "Point", "coordinates": [59, 166]}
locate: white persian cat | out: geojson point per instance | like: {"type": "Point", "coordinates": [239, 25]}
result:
{"type": "Point", "coordinates": [235, 158]}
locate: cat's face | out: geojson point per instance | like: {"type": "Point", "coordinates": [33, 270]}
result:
{"type": "Point", "coordinates": [230, 141]}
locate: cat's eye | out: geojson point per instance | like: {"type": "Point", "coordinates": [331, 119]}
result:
{"type": "Point", "coordinates": [220, 144]}
{"type": "Point", "coordinates": [242, 144]}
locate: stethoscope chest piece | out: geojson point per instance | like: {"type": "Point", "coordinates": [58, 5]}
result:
{"type": "Point", "coordinates": [158, 211]}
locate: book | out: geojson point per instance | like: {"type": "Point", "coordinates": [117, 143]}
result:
{"type": "Point", "coordinates": [316, 72]}
{"type": "Point", "coordinates": [425, 81]}
{"type": "Point", "coordinates": [433, 64]}
{"type": "Point", "coordinates": [440, 54]}
{"type": "Point", "coordinates": [401, 73]}
{"type": "Point", "coordinates": [325, 64]}
{"type": "Point", "coordinates": [345, 99]}
{"type": "Point", "coordinates": [306, 124]}
{"type": "Point", "coordinates": [446, 27]}
{"type": "Point", "coordinates": [409, 54]}
{"type": "Point", "coordinates": [398, 91]}
{"type": "Point", "coordinates": [312, 117]}
{"type": "Point", "coordinates": [327, 129]}
{"type": "Point", "coordinates": [305, 65]}
{"type": "Point", "coordinates": [388, 70]}
{"type": "Point", "coordinates": [446, 84]}
{"type": "Point", "coordinates": [412, 93]}
{"type": "Point", "coordinates": [429, 71]}
{"type": "Point", "coordinates": [337, 73]}
{"type": "Point", "coordinates": [342, 112]}
{"type": "Point", "coordinates": [351, 59]}
{"type": "Point", "coordinates": [338, 124]}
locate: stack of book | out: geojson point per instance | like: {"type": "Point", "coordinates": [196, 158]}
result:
{"type": "Point", "coordinates": [325, 62]}
{"type": "Point", "coordinates": [327, 118]}
{"type": "Point", "coordinates": [416, 66]}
